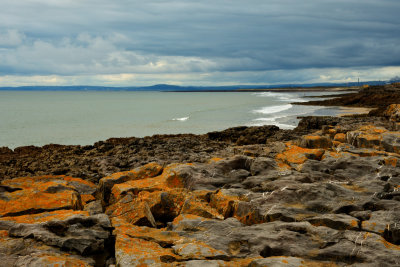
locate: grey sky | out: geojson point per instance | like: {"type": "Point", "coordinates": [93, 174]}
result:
{"type": "Point", "coordinates": [216, 42]}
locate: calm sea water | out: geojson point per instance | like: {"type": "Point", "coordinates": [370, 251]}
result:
{"type": "Point", "coordinates": [39, 118]}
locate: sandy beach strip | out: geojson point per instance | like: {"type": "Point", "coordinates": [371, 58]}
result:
{"type": "Point", "coordinates": [344, 111]}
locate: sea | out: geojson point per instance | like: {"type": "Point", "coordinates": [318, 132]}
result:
{"type": "Point", "coordinates": [84, 117]}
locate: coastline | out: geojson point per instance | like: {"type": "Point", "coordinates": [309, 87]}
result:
{"type": "Point", "coordinates": [244, 196]}
{"type": "Point", "coordinates": [278, 90]}
{"type": "Point", "coordinates": [350, 111]}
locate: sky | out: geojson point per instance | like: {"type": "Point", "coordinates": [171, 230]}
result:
{"type": "Point", "coordinates": [202, 42]}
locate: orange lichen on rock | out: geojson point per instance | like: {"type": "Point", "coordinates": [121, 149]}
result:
{"type": "Point", "coordinates": [340, 137]}
{"type": "Point", "coordinates": [160, 236]}
{"type": "Point", "coordinates": [147, 171]}
{"type": "Point", "coordinates": [371, 226]}
{"type": "Point", "coordinates": [45, 216]}
{"type": "Point", "coordinates": [57, 260]}
{"type": "Point", "coordinates": [392, 161]}
{"type": "Point", "coordinates": [372, 129]}
{"type": "Point", "coordinates": [169, 179]}
{"type": "Point", "coordinates": [298, 155]}
{"type": "Point", "coordinates": [316, 141]}
{"type": "Point", "coordinates": [215, 160]}
{"type": "Point", "coordinates": [225, 203]}
{"type": "Point", "coordinates": [389, 245]}
{"type": "Point", "coordinates": [236, 206]}
{"type": "Point", "coordinates": [393, 112]}
{"type": "Point", "coordinates": [28, 201]}
{"type": "Point", "coordinates": [3, 233]}
{"type": "Point", "coordinates": [197, 250]}
{"type": "Point", "coordinates": [199, 207]}
{"type": "Point", "coordinates": [87, 198]}
{"type": "Point", "coordinates": [132, 251]}
{"type": "Point", "coordinates": [47, 182]}
{"type": "Point", "coordinates": [27, 195]}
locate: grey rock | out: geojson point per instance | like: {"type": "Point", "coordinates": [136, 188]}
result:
{"type": "Point", "coordinates": [262, 166]}
{"type": "Point", "coordinates": [78, 233]}
{"type": "Point", "coordinates": [94, 207]}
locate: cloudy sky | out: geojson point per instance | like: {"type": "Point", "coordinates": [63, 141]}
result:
{"type": "Point", "coordinates": [202, 42]}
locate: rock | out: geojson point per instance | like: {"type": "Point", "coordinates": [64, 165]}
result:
{"type": "Point", "coordinates": [262, 166]}
{"type": "Point", "coordinates": [195, 206]}
{"type": "Point", "coordinates": [198, 250]}
{"type": "Point", "coordinates": [51, 259]}
{"type": "Point", "coordinates": [94, 207]}
{"type": "Point", "coordinates": [391, 142]}
{"type": "Point", "coordinates": [340, 137]}
{"type": "Point", "coordinates": [146, 171]}
{"type": "Point", "coordinates": [294, 155]}
{"type": "Point", "coordinates": [316, 141]}
{"type": "Point", "coordinates": [173, 176]}
{"type": "Point", "coordinates": [66, 230]}
{"type": "Point", "coordinates": [324, 198]}
{"type": "Point", "coordinates": [27, 252]}
{"type": "Point", "coordinates": [335, 221]}
{"type": "Point", "coordinates": [287, 261]}
{"type": "Point", "coordinates": [44, 193]}
{"type": "Point", "coordinates": [245, 135]}
{"type": "Point", "coordinates": [133, 250]}
{"type": "Point", "coordinates": [393, 112]}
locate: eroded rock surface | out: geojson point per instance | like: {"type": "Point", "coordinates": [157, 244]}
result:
{"type": "Point", "coordinates": [330, 197]}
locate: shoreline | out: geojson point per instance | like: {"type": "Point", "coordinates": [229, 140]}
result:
{"type": "Point", "coordinates": [278, 90]}
{"type": "Point", "coordinates": [350, 111]}
{"type": "Point", "coordinates": [330, 186]}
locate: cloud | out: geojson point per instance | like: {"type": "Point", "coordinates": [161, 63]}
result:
{"type": "Point", "coordinates": [11, 38]}
{"type": "Point", "coordinates": [206, 39]}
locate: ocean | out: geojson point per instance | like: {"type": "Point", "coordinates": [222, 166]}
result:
{"type": "Point", "coordinates": [84, 117]}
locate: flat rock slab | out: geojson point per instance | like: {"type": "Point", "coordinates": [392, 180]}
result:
{"type": "Point", "coordinates": [29, 195]}
{"type": "Point", "coordinates": [68, 230]}
{"type": "Point", "coordinates": [28, 252]}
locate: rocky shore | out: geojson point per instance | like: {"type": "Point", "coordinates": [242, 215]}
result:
{"type": "Point", "coordinates": [324, 194]}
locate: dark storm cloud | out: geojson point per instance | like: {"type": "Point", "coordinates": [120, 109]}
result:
{"type": "Point", "coordinates": [78, 37]}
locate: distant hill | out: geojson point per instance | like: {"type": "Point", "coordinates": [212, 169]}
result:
{"type": "Point", "coordinates": [168, 87]}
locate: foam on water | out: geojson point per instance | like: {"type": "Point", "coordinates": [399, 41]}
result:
{"type": "Point", "coordinates": [286, 97]}
{"type": "Point", "coordinates": [272, 121]}
{"type": "Point", "coordinates": [181, 119]}
{"type": "Point", "coordinates": [273, 109]}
